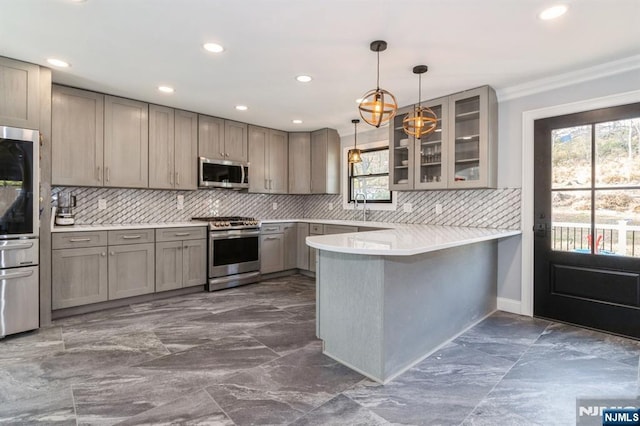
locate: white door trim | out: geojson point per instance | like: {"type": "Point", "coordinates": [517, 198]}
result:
{"type": "Point", "coordinates": [528, 117]}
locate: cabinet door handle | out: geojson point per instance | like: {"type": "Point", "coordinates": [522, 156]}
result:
{"type": "Point", "coordinates": [131, 237]}
{"type": "Point", "coordinates": [226, 154]}
{"type": "Point", "coordinates": [182, 234]}
{"type": "Point", "coordinates": [270, 229]}
{"type": "Point", "coordinates": [179, 247]}
{"type": "Point", "coordinates": [103, 254]}
{"type": "Point", "coordinates": [79, 240]}
{"type": "Point", "coordinates": [98, 173]}
{"type": "Point", "coordinates": [170, 177]}
{"type": "Point", "coordinates": [265, 184]}
{"type": "Point", "coordinates": [177, 178]}
{"type": "Point", "coordinates": [271, 238]}
{"type": "Point", "coordinates": [112, 253]}
{"type": "Point", "coordinates": [108, 172]}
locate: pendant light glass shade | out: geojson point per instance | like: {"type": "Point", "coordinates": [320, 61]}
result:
{"type": "Point", "coordinates": [355, 154]}
{"type": "Point", "coordinates": [422, 120]}
{"type": "Point", "coordinates": [378, 106]}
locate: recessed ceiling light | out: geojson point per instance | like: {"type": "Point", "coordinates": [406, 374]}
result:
{"type": "Point", "coordinates": [242, 107]}
{"type": "Point", "coordinates": [213, 47]}
{"type": "Point", "coordinates": [58, 63]}
{"type": "Point", "coordinates": [304, 78]}
{"type": "Point", "coordinates": [553, 12]}
{"type": "Point", "coordinates": [296, 121]}
{"type": "Point", "coordinates": [166, 89]}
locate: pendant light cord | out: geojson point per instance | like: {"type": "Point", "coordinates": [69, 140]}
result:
{"type": "Point", "coordinates": [378, 75]}
{"type": "Point", "coordinates": [419, 90]}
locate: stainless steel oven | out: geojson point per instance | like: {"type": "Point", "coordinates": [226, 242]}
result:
{"type": "Point", "coordinates": [234, 251]}
{"type": "Point", "coordinates": [19, 184]}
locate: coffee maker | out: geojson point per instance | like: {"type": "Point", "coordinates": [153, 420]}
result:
{"type": "Point", "coordinates": [64, 213]}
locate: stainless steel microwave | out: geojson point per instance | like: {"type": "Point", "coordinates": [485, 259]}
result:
{"type": "Point", "coordinates": [222, 174]}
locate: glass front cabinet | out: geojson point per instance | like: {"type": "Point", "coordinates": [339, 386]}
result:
{"type": "Point", "coordinates": [460, 153]}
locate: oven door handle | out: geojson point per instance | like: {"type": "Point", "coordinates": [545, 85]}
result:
{"type": "Point", "coordinates": [225, 236]}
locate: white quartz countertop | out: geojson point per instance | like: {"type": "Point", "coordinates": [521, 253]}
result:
{"type": "Point", "coordinates": [116, 227]}
{"type": "Point", "coordinates": [404, 239]}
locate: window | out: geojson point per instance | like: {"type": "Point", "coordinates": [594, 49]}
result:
{"type": "Point", "coordinates": [595, 186]}
{"type": "Point", "coordinates": [371, 176]}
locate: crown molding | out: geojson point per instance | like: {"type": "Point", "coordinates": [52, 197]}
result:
{"type": "Point", "coordinates": [586, 74]}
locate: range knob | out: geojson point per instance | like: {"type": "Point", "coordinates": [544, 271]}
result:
{"type": "Point", "coordinates": [227, 224]}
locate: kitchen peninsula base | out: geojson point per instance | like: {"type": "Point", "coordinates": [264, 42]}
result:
{"type": "Point", "coordinates": [380, 315]}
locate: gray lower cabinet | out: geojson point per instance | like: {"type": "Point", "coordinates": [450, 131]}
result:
{"type": "Point", "coordinates": [290, 241]}
{"type": "Point", "coordinates": [302, 250]}
{"type": "Point", "coordinates": [271, 253]}
{"type": "Point", "coordinates": [79, 276]}
{"type": "Point", "coordinates": [314, 229]}
{"type": "Point", "coordinates": [181, 258]}
{"type": "Point", "coordinates": [131, 270]}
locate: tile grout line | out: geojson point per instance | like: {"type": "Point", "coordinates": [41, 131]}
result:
{"type": "Point", "coordinates": [218, 405]}
{"type": "Point", "coordinates": [73, 400]}
{"type": "Point", "coordinates": [504, 375]}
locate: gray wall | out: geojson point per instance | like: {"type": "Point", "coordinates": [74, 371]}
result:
{"type": "Point", "coordinates": [510, 154]}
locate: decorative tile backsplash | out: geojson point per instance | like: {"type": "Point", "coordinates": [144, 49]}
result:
{"type": "Point", "coordinates": [486, 208]}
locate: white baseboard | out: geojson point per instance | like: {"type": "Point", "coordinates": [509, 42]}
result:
{"type": "Point", "coordinates": [509, 305]}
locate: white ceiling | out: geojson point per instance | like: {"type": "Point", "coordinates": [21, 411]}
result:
{"type": "Point", "coordinates": [129, 47]}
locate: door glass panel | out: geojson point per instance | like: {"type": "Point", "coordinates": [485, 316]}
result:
{"type": "Point", "coordinates": [618, 153]}
{"type": "Point", "coordinates": [431, 151]}
{"type": "Point", "coordinates": [617, 214]}
{"type": "Point", "coordinates": [571, 157]}
{"type": "Point", "coordinates": [16, 187]}
{"type": "Point", "coordinates": [467, 139]}
{"type": "Point", "coordinates": [571, 221]}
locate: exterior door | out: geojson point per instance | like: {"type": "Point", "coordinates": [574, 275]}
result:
{"type": "Point", "coordinates": [587, 219]}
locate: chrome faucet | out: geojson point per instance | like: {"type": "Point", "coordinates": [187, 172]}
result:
{"type": "Point", "coordinates": [364, 205]}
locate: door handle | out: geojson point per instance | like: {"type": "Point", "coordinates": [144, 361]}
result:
{"type": "Point", "coordinates": [540, 229]}
{"type": "Point", "coordinates": [15, 275]}
{"type": "Point", "coordinates": [182, 234]}
{"type": "Point", "coordinates": [107, 171]}
{"type": "Point", "coordinates": [131, 237]}
{"type": "Point", "coordinates": [177, 178]}
{"type": "Point", "coordinates": [79, 240]}
{"type": "Point", "coordinates": [16, 247]}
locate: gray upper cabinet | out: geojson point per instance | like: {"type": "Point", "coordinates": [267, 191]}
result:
{"type": "Point", "coordinates": [460, 153]}
{"type": "Point", "coordinates": [19, 94]}
{"type": "Point", "coordinates": [161, 147]}
{"type": "Point", "coordinates": [268, 155]}
{"type": "Point", "coordinates": [325, 162]}
{"type": "Point", "coordinates": [235, 141]}
{"type": "Point", "coordinates": [77, 137]}
{"type": "Point", "coordinates": [173, 140]}
{"type": "Point", "coordinates": [473, 135]}
{"type": "Point", "coordinates": [126, 143]}
{"type": "Point", "coordinates": [300, 163]}
{"type": "Point", "coordinates": [186, 150]}
{"type": "Point", "coordinates": [220, 139]}
{"type": "Point", "coordinates": [211, 137]}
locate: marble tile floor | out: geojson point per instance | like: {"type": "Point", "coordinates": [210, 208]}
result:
{"type": "Point", "coordinates": [249, 356]}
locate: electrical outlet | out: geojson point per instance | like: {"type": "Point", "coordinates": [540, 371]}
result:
{"type": "Point", "coordinates": [275, 206]}
{"type": "Point", "coordinates": [407, 207]}
{"type": "Point", "coordinates": [102, 204]}
{"type": "Point", "coordinates": [438, 208]}
{"type": "Point", "coordinates": [180, 202]}
{"type": "Point", "coordinates": [330, 206]}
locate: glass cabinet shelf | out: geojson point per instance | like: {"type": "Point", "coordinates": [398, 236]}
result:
{"type": "Point", "coordinates": [431, 142]}
{"type": "Point", "coordinates": [471, 115]}
{"type": "Point", "coordinates": [468, 138]}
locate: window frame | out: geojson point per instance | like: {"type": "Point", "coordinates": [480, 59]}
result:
{"type": "Point", "coordinates": [346, 145]}
{"type": "Point", "coordinates": [351, 177]}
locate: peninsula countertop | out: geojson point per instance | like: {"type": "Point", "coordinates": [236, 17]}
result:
{"type": "Point", "coordinates": [405, 239]}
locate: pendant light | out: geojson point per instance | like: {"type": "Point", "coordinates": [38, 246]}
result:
{"type": "Point", "coordinates": [422, 120]}
{"type": "Point", "coordinates": [378, 106]}
{"type": "Point", "coordinates": [354, 154]}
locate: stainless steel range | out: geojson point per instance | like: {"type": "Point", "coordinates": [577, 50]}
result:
{"type": "Point", "coordinates": [234, 251]}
